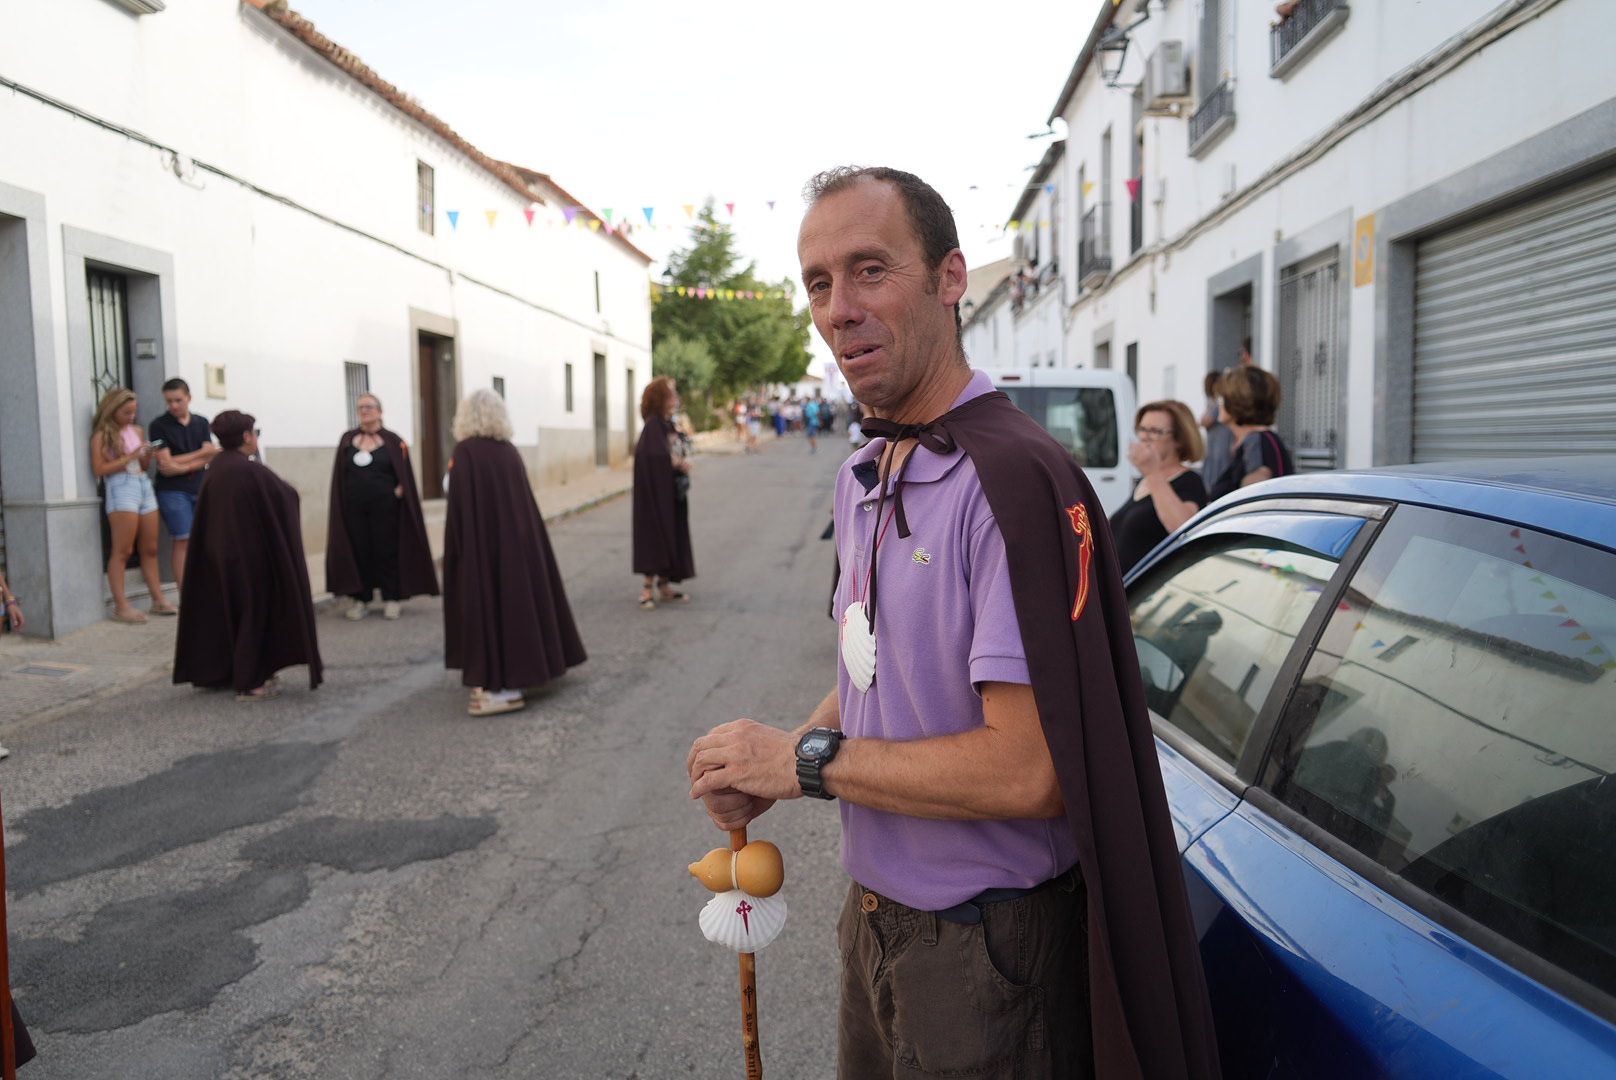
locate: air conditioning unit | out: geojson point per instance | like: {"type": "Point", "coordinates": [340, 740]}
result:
{"type": "Point", "coordinates": [1167, 77]}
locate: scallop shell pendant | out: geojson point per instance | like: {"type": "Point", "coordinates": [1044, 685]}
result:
{"type": "Point", "coordinates": [363, 458]}
{"type": "Point", "coordinates": [858, 646]}
{"type": "Point", "coordinates": [743, 922]}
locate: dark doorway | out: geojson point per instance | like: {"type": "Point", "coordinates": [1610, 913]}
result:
{"type": "Point", "coordinates": [631, 408]}
{"type": "Point", "coordinates": [434, 408]}
{"type": "Point", "coordinates": [602, 422]}
{"type": "Point", "coordinates": [1232, 326]}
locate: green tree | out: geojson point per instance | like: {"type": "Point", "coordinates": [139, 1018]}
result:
{"type": "Point", "coordinates": [688, 363]}
{"type": "Point", "coordinates": [750, 342]}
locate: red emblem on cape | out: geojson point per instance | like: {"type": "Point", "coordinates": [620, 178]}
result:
{"type": "Point", "coordinates": [1079, 515]}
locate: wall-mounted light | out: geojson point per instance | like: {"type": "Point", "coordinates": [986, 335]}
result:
{"type": "Point", "coordinates": [1113, 50]}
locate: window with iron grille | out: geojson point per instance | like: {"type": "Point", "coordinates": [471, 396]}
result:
{"type": "Point", "coordinates": [109, 331]}
{"type": "Point", "coordinates": [567, 393]}
{"type": "Point", "coordinates": [357, 379]}
{"type": "Point", "coordinates": [499, 385]}
{"type": "Point", "coordinates": [425, 198]}
{"type": "Point", "coordinates": [1309, 362]}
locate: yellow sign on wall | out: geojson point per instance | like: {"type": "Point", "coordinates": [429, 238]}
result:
{"type": "Point", "coordinates": [1363, 251]}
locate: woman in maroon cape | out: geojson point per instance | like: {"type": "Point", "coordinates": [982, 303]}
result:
{"type": "Point", "coordinates": [247, 609]}
{"type": "Point", "coordinates": [506, 623]}
{"type": "Point", "coordinates": [375, 534]}
{"type": "Point", "coordinates": [661, 506]}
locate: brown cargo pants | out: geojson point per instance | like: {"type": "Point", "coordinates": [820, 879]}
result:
{"type": "Point", "coordinates": [1004, 999]}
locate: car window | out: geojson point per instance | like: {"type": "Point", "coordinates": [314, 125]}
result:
{"type": "Point", "coordinates": [1213, 623]}
{"type": "Point", "coordinates": [1082, 418]}
{"type": "Point", "coordinates": [1457, 724]}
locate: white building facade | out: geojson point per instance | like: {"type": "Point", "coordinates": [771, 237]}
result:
{"type": "Point", "coordinates": [1408, 209]}
{"type": "Point", "coordinates": [214, 191]}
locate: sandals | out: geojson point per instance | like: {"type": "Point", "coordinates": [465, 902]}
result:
{"type": "Point", "coordinates": [132, 617]}
{"type": "Point", "coordinates": [166, 610]}
{"type": "Point", "coordinates": [646, 603]}
{"type": "Point", "coordinates": [485, 704]}
{"type": "Point", "coordinates": [673, 596]}
{"type": "Point", "coordinates": [270, 689]}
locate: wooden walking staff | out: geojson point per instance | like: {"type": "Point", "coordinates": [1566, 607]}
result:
{"type": "Point", "coordinates": [746, 913]}
{"type": "Point", "coordinates": [749, 1021]}
{"type": "Point", "coordinates": [8, 1034]}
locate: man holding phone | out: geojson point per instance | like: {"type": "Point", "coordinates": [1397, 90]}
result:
{"type": "Point", "coordinates": [184, 446]}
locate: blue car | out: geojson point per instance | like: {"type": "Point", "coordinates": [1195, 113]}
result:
{"type": "Point", "coordinates": [1385, 710]}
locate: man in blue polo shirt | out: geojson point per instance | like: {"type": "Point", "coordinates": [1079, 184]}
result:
{"type": "Point", "coordinates": [187, 448]}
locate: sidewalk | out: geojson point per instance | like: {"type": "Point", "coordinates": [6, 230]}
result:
{"type": "Point", "coordinates": [41, 678]}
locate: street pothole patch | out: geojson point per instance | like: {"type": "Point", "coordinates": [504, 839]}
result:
{"type": "Point", "coordinates": [362, 846]}
{"type": "Point", "coordinates": [152, 955]}
{"type": "Point", "coordinates": [47, 671]}
{"type": "Point", "coordinates": [195, 799]}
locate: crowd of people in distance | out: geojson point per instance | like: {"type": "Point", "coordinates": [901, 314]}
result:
{"type": "Point", "coordinates": [787, 414]}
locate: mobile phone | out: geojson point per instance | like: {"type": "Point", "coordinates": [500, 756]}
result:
{"type": "Point", "coordinates": [156, 444]}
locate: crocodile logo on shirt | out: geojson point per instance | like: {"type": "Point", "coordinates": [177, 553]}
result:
{"type": "Point", "coordinates": [921, 556]}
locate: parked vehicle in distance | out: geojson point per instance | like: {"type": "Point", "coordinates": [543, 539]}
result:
{"type": "Point", "coordinates": [1385, 711]}
{"type": "Point", "coordinates": [1089, 410]}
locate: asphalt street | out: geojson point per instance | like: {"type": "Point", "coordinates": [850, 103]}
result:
{"type": "Point", "coordinates": [364, 882]}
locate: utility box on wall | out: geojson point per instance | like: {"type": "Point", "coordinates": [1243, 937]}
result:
{"type": "Point", "coordinates": [1167, 77]}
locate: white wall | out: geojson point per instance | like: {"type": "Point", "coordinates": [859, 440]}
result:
{"type": "Point", "coordinates": [278, 295]}
{"type": "Point", "coordinates": [1543, 73]}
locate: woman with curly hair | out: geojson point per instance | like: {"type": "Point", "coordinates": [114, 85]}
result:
{"type": "Point", "coordinates": [506, 622]}
{"type": "Point", "coordinates": [120, 456]}
{"type": "Point", "coordinates": [662, 552]}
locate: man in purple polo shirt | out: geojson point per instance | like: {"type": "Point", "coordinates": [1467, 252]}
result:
{"type": "Point", "coordinates": [983, 838]}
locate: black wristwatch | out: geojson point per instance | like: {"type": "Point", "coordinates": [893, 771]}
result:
{"type": "Point", "coordinates": [814, 751]}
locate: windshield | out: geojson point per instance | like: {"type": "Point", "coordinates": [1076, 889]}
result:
{"type": "Point", "coordinates": [1082, 418]}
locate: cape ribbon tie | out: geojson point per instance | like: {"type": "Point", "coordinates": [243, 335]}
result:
{"type": "Point", "coordinates": [934, 437]}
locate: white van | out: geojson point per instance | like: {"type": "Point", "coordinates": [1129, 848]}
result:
{"type": "Point", "coordinates": [1090, 410]}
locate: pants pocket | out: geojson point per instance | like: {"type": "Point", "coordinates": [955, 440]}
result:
{"type": "Point", "coordinates": [956, 1014]}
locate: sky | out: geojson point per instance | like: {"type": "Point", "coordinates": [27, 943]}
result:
{"type": "Point", "coordinates": [634, 103]}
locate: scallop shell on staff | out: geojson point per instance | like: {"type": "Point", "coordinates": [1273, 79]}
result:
{"type": "Point", "coordinates": [744, 923]}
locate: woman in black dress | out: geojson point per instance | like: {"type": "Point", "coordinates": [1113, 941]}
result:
{"type": "Point", "coordinates": [1169, 491]}
{"type": "Point", "coordinates": [1248, 401]}
{"type": "Point", "coordinates": [662, 554]}
{"type": "Point", "coordinates": [375, 532]}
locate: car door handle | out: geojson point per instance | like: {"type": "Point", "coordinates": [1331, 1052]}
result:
{"type": "Point", "coordinates": [1108, 479]}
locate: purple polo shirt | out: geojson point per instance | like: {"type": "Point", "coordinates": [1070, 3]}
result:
{"type": "Point", "coordinates": [945, 622]}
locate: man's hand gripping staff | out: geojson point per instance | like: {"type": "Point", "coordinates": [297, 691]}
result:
{"type": "Point", "coordinates": [746, 911]}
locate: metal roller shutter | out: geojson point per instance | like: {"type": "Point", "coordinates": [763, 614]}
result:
{"type": "Point", "coordinates": [1515, 330]}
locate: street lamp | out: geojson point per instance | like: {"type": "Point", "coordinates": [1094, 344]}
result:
{"type": "Point", "coordinates": [1113, 50]}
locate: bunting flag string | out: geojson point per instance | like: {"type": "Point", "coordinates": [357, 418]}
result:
{"type": "Point", "coordinates": [695, 292]}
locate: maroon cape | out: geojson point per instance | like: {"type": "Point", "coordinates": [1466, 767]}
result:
{"type": "Point", "coordinates": [661, 523]}
{"type": "Point", "coordinates": [1149, 1006]}
{"type": "Point", "coordinates": [506, 623]}
{"type": "Point", "coordinates": [416, 575]}
{"type": "Point", "coordinates": [245, 611]}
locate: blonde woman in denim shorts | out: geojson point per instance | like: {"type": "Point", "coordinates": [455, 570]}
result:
{"type": "Point", "coordinates": [120, 455]}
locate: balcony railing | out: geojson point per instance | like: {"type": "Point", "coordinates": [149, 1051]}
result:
{"type": "Point", "coordinates": [1136, 222]}
{"type": "Point", "coordinates": [1309, 23]}
{"type": "Point", "coordinates": [1215, 116]}
{"type": "Point", "coordinates": [1094, 243]}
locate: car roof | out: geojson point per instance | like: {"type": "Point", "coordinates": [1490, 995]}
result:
{"type": "Point", "coordinates": [1571, 496]}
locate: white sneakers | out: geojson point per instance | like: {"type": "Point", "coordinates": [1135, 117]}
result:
{"type": "Point", "coordinates": [358, 609]}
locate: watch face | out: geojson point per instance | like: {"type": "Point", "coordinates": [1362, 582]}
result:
{"type": "Point", "coordinates": [814, 745]}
